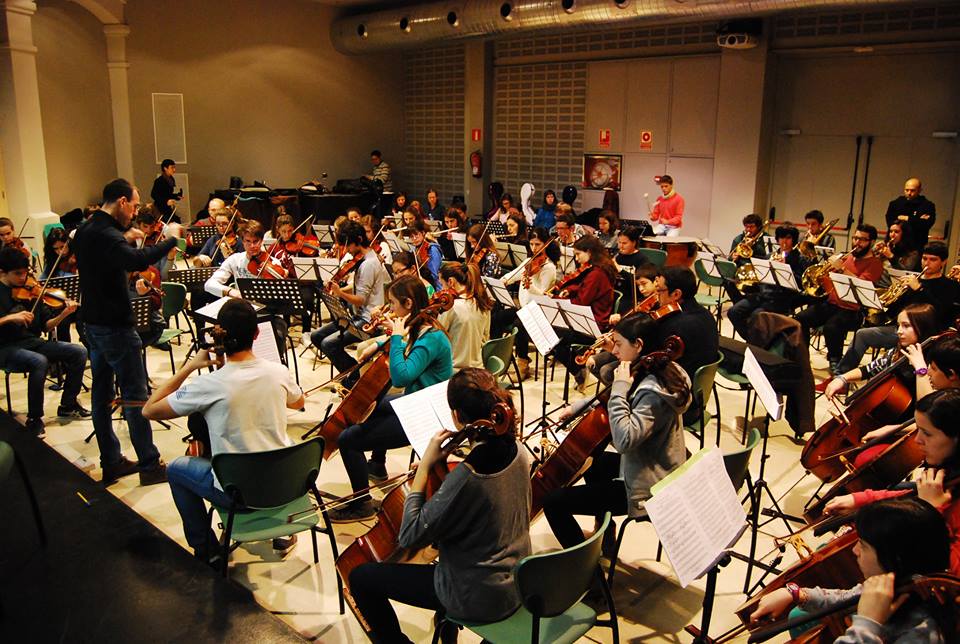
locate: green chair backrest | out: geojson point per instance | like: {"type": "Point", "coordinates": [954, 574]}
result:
{"type": "Point", "coordinates": [703, 379]}
{"type": "Point", "coordinates": [273, 478]}
{"type": "Point", "coordinates": [501, 347]}
{"type": "Point", "coordinates": [704, 276]}
{"type": "Point", "coordinates": [727, 269]}
{"type": "Point", "coordinates": [656, 256]}
{"type": "Point", "coordinates": [6, 460]}
{"type": "Point", "coordinates": [551, 582]}
{"type": "Point", "coordinates": [737, 463]}
{"type": "Point", "coordinates": [174, 298]}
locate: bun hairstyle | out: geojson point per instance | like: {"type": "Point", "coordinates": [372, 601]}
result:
{"type": "Point", "coordinates": [237, 322]}
{"type": "Point", "coordinates": [473, 393]}
{"type": "Point", "coordinates": [640, 326]}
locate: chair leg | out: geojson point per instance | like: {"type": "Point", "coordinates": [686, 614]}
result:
{"type": "Point", "coordinates": [32, 497]}
{"type": "Point", "coordinates": [313, 540]}
{"type": "Point", "coordinates": [616, 551]}
{"type": "Point", "coordinates": [173, 368]}
{"type": "Point", "coordinates": [333, 548]}
{"type": "Point", "coordinates": [608, 596]}
{"type": "Point", "coordinates": [226, 544]}
{"type": "Point", "coordinates": [9, 404]}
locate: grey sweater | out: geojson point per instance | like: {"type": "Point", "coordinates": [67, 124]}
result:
{"type": "Point", "coordinates": [909, 625]}
{"type": "Point", "coordinates": [481, 525]}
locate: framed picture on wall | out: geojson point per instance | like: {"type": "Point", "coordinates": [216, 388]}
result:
{"type": "Point", "coordinates": [601, 171]}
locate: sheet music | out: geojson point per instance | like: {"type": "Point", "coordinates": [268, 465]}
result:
{"type": "Point", "coordinates": [785, 276]}
{"type": "Point", "coordinates": [265, 344]}
{"type": "Point", "coordinates": [518, 252]}
{"type": "Point", "coordinates": [866, 292]}
{"type": "Point", "coordinates": [551, 309]}
{"type": "Point", "coordinates": [304, 270]}
{"type": "Point", "coordinates": [697, 515]}
{"type": "Point", "coordinates": [498, 290]}
{"type": "Point", "coordinates": [515, 273]}
{"type": "Point", "coordinates": [538, 328]}
{"type": "Point", "coordinates": [423, 414]}
{"type": "Point", "coordinates": [712, 248]}
{"type": "Point", "coordinates": [567, 263]}
{"type": "Point", "coordinates": [844, 287]}
{"type": "Point", "coordinates": [327, 266]}
{"type": "Point", "coordinates": [459, 244]}
{"type": "Point", "coordinates": [580, 318]}
{"type": "Point", "coordinates": [763, 270]}
{"type": "Point", "coordinates": [325, 234]}
{"type": "Point", "coordinates": [772, 401]}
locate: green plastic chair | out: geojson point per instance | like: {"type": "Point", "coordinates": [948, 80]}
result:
{"type": "Point", "coordinates": [9, 459]}
{"type": "Point", "coordinates": [701, 388]}
{"type": "Point", "coordinates": [737, 463]}
{"type": "Point", "coordinates": [270, 494]}
{"type": "Point", "coordinates": [708, 300]}
{"type": "Point", "coordinates": [497, 354]}
{"type": "Point", "coordinates": [172, 305]}
{"type": "Point", "coordinates": [656, 256]}
{"type": "Point", "coordinates": [551, 585]}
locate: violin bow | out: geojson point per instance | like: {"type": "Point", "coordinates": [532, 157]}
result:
{"type": "Point", "coordinates": [277, 241]}
{"type": "Point", "coordinates": [236, 211]}
{"type": "Point", "coordinates": [43, 286]}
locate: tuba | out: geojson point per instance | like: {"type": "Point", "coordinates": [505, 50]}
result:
{"type": "Point", "coordinates": [808, 246]}
{"type": "Point", "coordinates": [745, 248]}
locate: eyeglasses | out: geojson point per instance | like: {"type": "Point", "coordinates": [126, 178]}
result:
{"type": "Point", "coordinates": [866, 239]}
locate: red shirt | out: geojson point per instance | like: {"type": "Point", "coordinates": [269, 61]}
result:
{"type": "Point", "coordinates": [596, 291]}
{"type": "Point", "coordinates": [866, 268]}
{"type": "Point", "coordinates": [668, 210]}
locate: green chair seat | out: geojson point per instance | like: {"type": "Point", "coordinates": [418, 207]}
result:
{"type": "Point", "coordinates": [269, 524]}
{"type": "Point", "coordinates": [170, 334]}
{"type": "Point", "coordinates": [655, 256]}
{"type": "Point", "coordinates": [567, 627]}
{"type": "Point", "coordinates": [707, 301]}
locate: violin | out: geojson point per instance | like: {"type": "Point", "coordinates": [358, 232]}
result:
{"type": "Point", "coordinates": [477, 256]}
{"type": "Point", "coordinates": [17, 243]}
{"type": "Point", "coordinates": [344, 270]}
{"type": "Point", "coordinates": [151, 277]}
{"type": "Point", "coordinates": [381, 542]}
{"type": "Point", "coordinates": [423, 253]}
{"type": "Point", "coordinates": [68, 264]}
{"type": "Point", "coordinates": [362, 398]}
{"type": "Point", "coordinates": [642, 307]}
{"type": "Point", "coordinates": [561, 290]}
{"type": "Point", "coordinates": [303, 245]}
{"type": "Point", "coordinates": [33, 291]}
{"type": "Point", "coordinates": [262, 265]}
{"type": "Point", "coordinates": [885, 399]}
{"type": "Point", "coordinates": [532, 269]}
{"type": "Point", "coordinates": [591, 432]}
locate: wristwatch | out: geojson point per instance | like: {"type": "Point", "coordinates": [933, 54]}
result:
{"type": "Point", "coordinates": [922, 371]}
{"type": "Point", "coordinates": [794, 591]}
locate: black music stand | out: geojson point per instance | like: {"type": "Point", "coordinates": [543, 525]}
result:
{"type": "Point", "coordinates": [191, 277]}
{"type": "Point", "coordinates": [69, 284]}
{"type": "Point", "coordinates": [280, 293]}
{"type": "Point", "coordinates": [201, 234]}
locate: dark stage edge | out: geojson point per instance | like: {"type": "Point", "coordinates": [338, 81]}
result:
{"type": "Point", "coordinates": [107, 574]}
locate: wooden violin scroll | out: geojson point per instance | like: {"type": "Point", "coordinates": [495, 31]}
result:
{"type": "Point", "coordinates": [672, 349]}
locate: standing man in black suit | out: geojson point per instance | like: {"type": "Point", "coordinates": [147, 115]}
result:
{"type": "Point", "coordinates": [164, 192]}
{"type": "Point", "coordinates": [105, 254]}
{"type": "Point", "coordinates": [915, 209]}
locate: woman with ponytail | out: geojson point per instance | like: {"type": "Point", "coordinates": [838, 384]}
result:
{"type": "Point", "coordinates": [468, 322]}
{"type": "Point", "coordinates": [479, 520]}
{"type": "Point", "coordinates": [645, 408]}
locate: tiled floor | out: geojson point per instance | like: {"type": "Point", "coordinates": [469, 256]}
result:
{"type": "Point", "coordinates": [652, 605]}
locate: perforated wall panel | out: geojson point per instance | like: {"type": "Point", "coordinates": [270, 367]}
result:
{"type": "Point", "coordinates": [434, 131]}
{"type": "Point", "coordinates": [169, 137]}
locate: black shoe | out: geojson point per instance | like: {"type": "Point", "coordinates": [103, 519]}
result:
{"type": "Point", "coordinates": [376, 471]}
{"type": "Point", "coordinates": [76, 410]}
{"type": "Point", "coordinates": [155, 475]}
{"type": "Point", "coordinates": [283, 545]}
{"type": "Point", "coordinates": [163, 347]}
{"type": "Point", "coordinates": [125, 467]}
{"type": "Point", "coordinates": [352, 513]}
{"type": "Point", "coordinates": [35, 426]}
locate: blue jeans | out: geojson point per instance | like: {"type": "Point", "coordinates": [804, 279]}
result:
{"type": "Point", "coordinates": [36, 361]}
{"type": "Point", "coordinates": [191, 481]}
{"type": "Point", "coordinates": [116, 352]}
{"type": "Point", "coordinates": [333, 341]}
{"type": "Point", "coordinates": [875, 337]}
{"type": "Point", "coordinates": [380, 432]}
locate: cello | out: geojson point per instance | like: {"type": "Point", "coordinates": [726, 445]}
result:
{"type": "Point", "coordinates": [381, 542]}
{"type": "Point", "coordinates": [363, 397]}
{"type": "Point", "coordinates": [590, 433]}
{"type": "Point", "coordinates": [885, 399]}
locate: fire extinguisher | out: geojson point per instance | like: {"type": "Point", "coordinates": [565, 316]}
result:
{"type": "Point", "coordinates": [476, 164]}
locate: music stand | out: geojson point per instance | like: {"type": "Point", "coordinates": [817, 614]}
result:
{"type": "Point", "coordinates": [518, 253]}
{"type": "Point", "coordinates": [459, 244]}
{"type": "Point", "coordinates": [500, 293]}
{"type": "Point", "coordinates": [784, 276]}
{"type": "Point", "coordinates": [844, 288]}
{"type": "Point", "coordinates": [710, 264]}
{"type": "Point", "coordinates": [866, 293]}
{"type": "Point", "coordinates": [201, 234]}
{"type": "Point", "coordinates": [545, 339]}
{"type": "Point", "coordinates": [503, 251]}
{"type": "Point", "coordinates": [712, 248]}
{"type": "Point", "coordinates": [282, 293]}
{"type": "Point", "coordinates": [579, 318]}
{"type": "Point", "coordinates": [69, 284]}
{"type": "Point", "coordinates": [340, 311]}
{"type": "Point", "coordinates": [326, 235]}
{"type": "Point", "coordinates": [567, 262]}
{"type": "Point", "coordinates": [192, 277]}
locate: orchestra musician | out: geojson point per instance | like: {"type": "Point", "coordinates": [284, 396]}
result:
{"type": "Point", "coordinates": [434, 209]}
{"type": "Point", "coordinates": [694, 324]}
{"type": "Point", "coordinates": [930, 287]}
{"type": "Point", "coordinates": [516, 227]}
{"type": "Point", "coordinates": [238, 264]}
{"type": "Point", "coordinates": [483, 252]}
{"type": "Point", "coordinates": [57, 246]}
{"type": "Point", "coordinates": [411, 215]}
{"type": "Point", "coordinates": [243, 405]}
{"type": "Point", "coordinates": [427, 253]}
{"type": "Point", "coordinates": [567, 229]}
{"type": "Point", "coordinates": [399, 205]}
{"type": "Point", "coordinates": [209, 215]}
{"type": "Point", "coordinates": [453, 221]}
{"type": "Point", "coordinates": [814, 221]}
{"type": "Point", "coordinates": [364, 298]}
{"type": "Point", "coordinates": [503, 211]}
{"type": "Point", "coordinates": [752, 228]}
{"type": "Point", "coordinates": [467, 323]}
{"type": "Point", "coordinates": [897, 540]}
{"type": "Point", "coordinates": [592, 287]}
{"type": "Point", "coordinates": [353, 214]}
{"type": "Point", "coordinates": [404, 263]}
{"type": "Point", "coordinates": [896, 248]}
{"type": "Point", "coordinates": [478, 519]}
{"type": "Point", "coordinates": [668, 209]}
{"type": "Point", "coordinates": [222, 244]}
{"type": "Point", "coordinates": [420, 355]}
{"type": "Point", "coordinates": [776, 299]}
{"type": "Point", "coordinates": [8, 237]}
{"type": "Point", "coordinates": [537, 278]}
{"type": "Point", "coordinates": [371, 226]}
{"type": "Point", "coordinates": [164, 192]}
{"type": "Point", "coordinates": [24, 349]}
{"type": "Point", "coordinates": [283, 235]}
{"type": "Point", "coordinates": [644, 409]}
{"type": "Point", "coordinates": [628, 245]}
{"type": "Point", "coordinates": [836, 316]}
{"type": "Point", "coordinates": [545, 214]}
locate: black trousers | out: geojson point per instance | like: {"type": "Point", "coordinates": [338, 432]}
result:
{"type": "Point", "coordinates": [836, 324]}
{"type": "Point", "coordinates": [373, 585]}
{"type": "Point", "coordinates": [564, 353]}
{"type": "Point", "coordinates": [504, 318]}
{"type": "Point", "coordinates": [600, 493]}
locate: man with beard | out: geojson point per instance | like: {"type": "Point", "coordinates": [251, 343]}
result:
{"type": "Point", "coordinates": [916, 210]}
{"type": "Point", "coordinates": [836, 316]}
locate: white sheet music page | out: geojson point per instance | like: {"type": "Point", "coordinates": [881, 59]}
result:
{"type": "Point", "coordinates": [785, 276]}
{"type": "Point", "coordinates": [764, 271]}
{"type": "Point", "coordinates": [498, 290]}
{"type": "Point", "coordinates": [580, 317]}
{"type": "Point", "coordinates": [844, 287]}
{"type": "Point", "coordinates": [771, 400]}
{"type": "Point", "coordinates": [538, 328]}
{"type": "Point", "coordinates": [459, 243]}
{"type": "Point", "coordinates": [213, 309]}
{"type": "Point", "coordinates": [696, 514]}
{"type": "Point", "coordinates": [515, 273]}
{"type": "Point", "coordinates": [265, 344]}
{"type": "Point", "coordinates": [423, 414]}
{"type": "Point", "coordinates": [866, 293]}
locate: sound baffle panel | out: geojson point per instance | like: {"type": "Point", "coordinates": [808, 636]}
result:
{"type": "Point", "coordinates": [169, 136]}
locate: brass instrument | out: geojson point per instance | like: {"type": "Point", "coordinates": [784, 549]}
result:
{"type": "Point", "coordinates": [812, 280]}
{"type": "Point", "coordinates": [895, 291]}
{"type": "Point", "coordinates": [808, 246]}
{"type": "Point", "coordinates": [746, 276]}
{"type": "Point", "coordinates": [954, 272]}
{"type": "Point", "coordinates": [745, 248]}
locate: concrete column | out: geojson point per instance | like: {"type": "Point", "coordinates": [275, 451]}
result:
{"type": "Point", "coordinates": [477, 86]}
{"type": "Point", "coordinates": [21, 131]}
{"type": "Point", "coordinates": [117, 65]}
{"type": "Point", "coordinates": [737, 156]}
